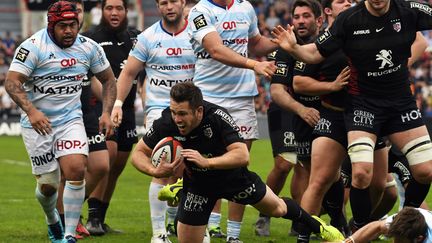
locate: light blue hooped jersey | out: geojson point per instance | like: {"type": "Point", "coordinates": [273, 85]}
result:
{"type": "Point", "coordinates": [235, 24]}
{"type": "Point", "coordinates": [428, 218]}
{"type": "Point", "coordinates": [55, 74]}
{"type": "Point", "coordinates": [168, 58]}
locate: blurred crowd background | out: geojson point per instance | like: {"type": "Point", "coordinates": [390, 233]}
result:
{"type": "Point", "coordinates": [270, 14]}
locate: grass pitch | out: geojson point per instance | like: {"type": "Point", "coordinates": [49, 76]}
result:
{"type": "Point", "coordinates": [21, 218]}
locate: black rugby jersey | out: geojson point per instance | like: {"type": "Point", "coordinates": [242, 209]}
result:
{"type": "Point", "coordinates": [216, 131]}
{"type": "Point", "coordinates": [378, 48]}
{"type": "Point", "coordinates": [116, 46]}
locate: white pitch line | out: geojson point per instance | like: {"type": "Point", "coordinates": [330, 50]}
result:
{"type": "Point", "coordinates": [15, 162]}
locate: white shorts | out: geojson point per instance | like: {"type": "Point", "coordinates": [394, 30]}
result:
{"type": "Point", "coordinates": [242, 109]}
{"type": "Point", "coordinates": [152, 116]}
{"type": "Point", "coordinates": [43, 150]}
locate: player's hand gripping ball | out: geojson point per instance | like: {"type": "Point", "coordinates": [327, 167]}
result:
{"type": "Point", "coordinates": [167, 146]}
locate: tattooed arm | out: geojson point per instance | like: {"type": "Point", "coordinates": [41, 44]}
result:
{"type": "Point", "coordinates": [13, 85]}
{"type": "Point", "coordinates": [109, 93]}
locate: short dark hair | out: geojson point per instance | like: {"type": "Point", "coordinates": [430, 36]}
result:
{"type": "Point", "coordinates": [326, 3]}
{"type": "Point", "coordinates": [125, 3]}
{"type": "Point", "coordinates": [187, 91]}
{"type": "Point", "coordinates": [77, 1]}
{"type": "Point", "coordinates": [314, 5]}
{"type": "Point", "coordinates": [409, 223]}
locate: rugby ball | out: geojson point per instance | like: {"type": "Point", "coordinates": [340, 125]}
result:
{"type": "Point", "coordinates": [168, 146]}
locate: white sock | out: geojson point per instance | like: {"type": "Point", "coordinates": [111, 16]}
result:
{"type": "Point", "coordinates": [48, 205]}
{"type": "Point", "coordinates": [233, 229]}
{"type": "Point", "coordinates": [73, 198]}
{"type": "Point", "coordinates": [171, 214]}
{"type": "Point", "coordinates": [157, 209]}
{"type": "Point", "coordinates": [214, 220]}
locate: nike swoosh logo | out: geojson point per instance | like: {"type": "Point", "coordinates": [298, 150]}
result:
{"type": "Point", "coordinates": [378, 30]}
{"type": "Point", "coordinates": [120, 43]}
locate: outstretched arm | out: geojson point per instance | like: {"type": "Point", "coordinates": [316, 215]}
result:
{"type": "Point", "coordinates": [417, 48]}
{"type": "Point", "coordinates": [286, 39]}
{"type": "Point", "coordinates": [310, 86]}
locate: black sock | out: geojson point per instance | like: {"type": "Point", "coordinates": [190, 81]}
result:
{"type": "Point", "coordinates": [62, 219]}
{"type": "Point", "coordinates": [361, 206]}
{"type": "Point", "coordinates": [103, 211]}
{"type": "Point", "coordinates": [94, 208]}
{"type": "Point", "coordinates": [263, 215]}
{"type": "Point", "coordinates": [296, 213]}
{"type": "Point", "coordinates": [303, 233]}
{"type": "Point", "coordinates": [333, 203]}
{"type": "Point", "coordinates": [415, 193]}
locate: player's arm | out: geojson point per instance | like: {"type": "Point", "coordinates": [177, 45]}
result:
{"type": "Point", "coordinates": [109, 90]}
{"type": "Point", "coordinates": [124, 85]}
{"type": "Point", "coordinates": [96, 88]}
{"type": "Point", "coordinates": [310, 86]}
{"type": "Point", "coordinates": [13, 85]}
{"type": "Point", "coordinates": [141, 161]}
{"type": "Point", "coordinates": [261, 45]}
{"type": "Point", "coordinates": [280, 96]}
{"type": "Point", "coordinates": [417, 48]}
{"type": "Point", "coordinates": [286, 39]}
{"type": "Point", "coordinates": [213, 44]}
{"type": "Point", "coordinates": [369, 232]}
{"type": "Point", "coordinates": [236, 156]}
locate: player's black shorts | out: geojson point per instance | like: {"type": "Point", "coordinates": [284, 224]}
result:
{"type": "Point", "coordinates": [126, 134]}
{"type": "Point", "coordinates": [382, 116]}
{"type": "Point", "coordinates": [398, 164]}
{"type": "Point", "coordinates": [95, 139]}
{"type": "Point", "coordinates": [331, 124]}
{"type": "Point", "coordinates": [280, 130]}
{"type": "Point", "coordinates": [303, 135]}
{"type": "Point", "coordinates": [198, 198]}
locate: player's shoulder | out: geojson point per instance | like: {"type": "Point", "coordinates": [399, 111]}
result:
{"type": "Point", "coordinates": [133, 32]}
{"type": "Point", "coordinates": [414, 5]}
{"type": "Point", "coordinates": [37, 40]}
{"type": "Point", "coordinates": [86, 42]}
{"type": "Point", "coordinates": [152, 30]}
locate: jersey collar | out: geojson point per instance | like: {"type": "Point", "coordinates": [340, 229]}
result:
{"type": "Point", "coordinates": [222, 6]}
{"type": "Point", "coordinates": [176, 33]}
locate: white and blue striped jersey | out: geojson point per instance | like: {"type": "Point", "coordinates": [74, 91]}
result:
{"type": "Point", "coordinates": [428, 218]}
{"type": "Point", "coordinates": [235, 24]}
{"type": "Point", "coordinates": [169, 59]}
{"type": "Point", "coordinates": [55, 74]}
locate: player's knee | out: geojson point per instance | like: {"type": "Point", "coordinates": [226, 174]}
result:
{"type": "Point", "coordinates": [361, 178]}
{"type": "Point", "coordinates": [48, 183]}
{"type": "Point", "coordinates": [284, 162]}
{"type": "Point", "coordinates": [280, 209]}
{"type": "Point", "coordinates": [361, 150]}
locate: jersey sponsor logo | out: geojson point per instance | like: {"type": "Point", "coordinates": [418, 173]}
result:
{"type": "Point", "coordinates": [200, 22]}
{"type": "Point", "coordinates": [173, 67]}
{"type": "Point", "coordinates": [363, 118]}
{"type": "Point", "coordinates": [361, 32]}
{"type": "Point", "coordinates": [236, 41]}
{"type": "Point", "coordinates": [281, 69]}
{"type": "Point", "coordinates": [70, 144]}
{"type": "Point", "coordinates": [229, 25]}
{"type": "Point", "coordinates": [180, 138]}
{"type": "Point", "coordinates": [410, 116]}
{"type": "Point", "coordinates": [60, 78]}
{"type": "Point", "coordinates": [167, 82]}
{"type": "Point", "coordinates": [106, 43]}
{"type": "Point", "coordinates": [203, 55]}
{"type": "Point", "coordinates": [57, 90]}
{"type": "Point", "coordinates": [22, 54]}
{"type": "Point", "coordinates": [85, 83]}
{"type": "Point", "coordinates": [42, 159]}
{"type": "Point", "coordinates": [227, 118]}
{"type": "Point", "coordinates": [300, 66]}
{"type": "Point", "coordinates": [384, 72]}
{"type": "Point", "coordinates": [385, 57]}
{"type": "Point", "coordinates": [68, 62]}
{"type": "Point", "coordinates": [174, 51]}
{"type": "Point", "coordinates": [324, 36]}
{"type": "Point", "coordinates": [422, 7]}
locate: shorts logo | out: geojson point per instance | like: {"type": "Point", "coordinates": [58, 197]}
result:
{"type": "Point", "coordinates": [22, 54]}
{"type": "Point", "coordinates": [245, 129]}
{"type": "Point", "coordinates": [363, 118]}
{"type": "Point", "coordinates": [69, 144]}
{"type": "Point", "coordinates": [410, 116]}
{"type": "Point", "coordinates": [194, 203]}
{"type": "Point", "coordinates": [282, 70]}
{"type": "Point", "coordinates": [132, 133]}
{"type": "Point", "coordinates": [42, 159]}
{"type": "Point", "coordinates": [303, 148]}
{"type": "Point", "coordinates": [323, 125]}
{"type": "Point", "coordinates": [289, 139]}
{"type": "Point", "coordinates": [385, 57]}
{"type": "Point", "coordinates": [96, 139]}
{"type": "Point", "coordinates": [244, 194]}
{"type": "Point", "coordinates": [200, 22]}
{"type": "Point", "coordinates": [300, 66]}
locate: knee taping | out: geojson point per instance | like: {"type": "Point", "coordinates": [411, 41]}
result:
{"type": "Point", "coordinates": [361, 150]}
{"type": "Point", "coordinates": [418, 150]}
{"type": "Point", "coordinates": [290, 157]}
{"type": "Point", "coordinates": [52, 178]}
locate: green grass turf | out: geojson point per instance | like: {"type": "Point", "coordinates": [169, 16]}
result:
{"type": "Point", "coordinates": [22, 220]}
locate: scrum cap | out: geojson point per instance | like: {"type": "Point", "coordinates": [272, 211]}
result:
{"type": "Point", "coordinates": [60, 11]}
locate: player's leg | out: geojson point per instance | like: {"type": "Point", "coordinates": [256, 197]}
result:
{"type": "Point", "coordinates": [380, 171]}
{"type": "Point", "coordinates": [387, 201]}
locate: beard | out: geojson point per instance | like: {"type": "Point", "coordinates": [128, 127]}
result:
{"type": "Point", "coordinates": [173, 22]}
{"type": "Point", "coordinates": [122, 26]}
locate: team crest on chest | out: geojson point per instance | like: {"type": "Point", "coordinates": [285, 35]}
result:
{"type": "Point", "coordinates": [397, 26]}
{"type": "Point", "coordinates": [208, 132]}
